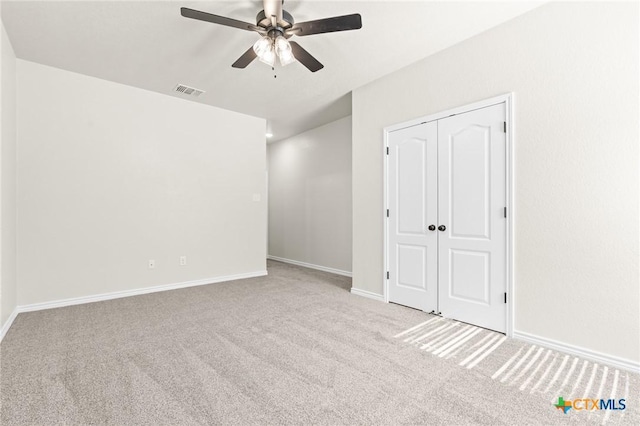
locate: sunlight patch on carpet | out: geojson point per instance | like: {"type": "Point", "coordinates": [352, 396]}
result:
{"type": "Point", "coordinates": [532, 369]}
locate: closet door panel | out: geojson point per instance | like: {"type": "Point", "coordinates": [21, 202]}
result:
{"type": "Point", "coordinates": [412, 196]}
{"type": "Point", "coordinates": [471, 201]}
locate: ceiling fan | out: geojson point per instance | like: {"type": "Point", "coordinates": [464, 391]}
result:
{"type": "Point", "coordinates": [276, 26]}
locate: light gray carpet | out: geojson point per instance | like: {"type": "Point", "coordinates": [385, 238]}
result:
{"type": "Point", "coordinates": [294, 347]}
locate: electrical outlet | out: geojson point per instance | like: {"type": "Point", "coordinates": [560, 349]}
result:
{"type": "Point", "coordinates": [152, 263]}
{"type": "Point", "coordinates": [183, 260]}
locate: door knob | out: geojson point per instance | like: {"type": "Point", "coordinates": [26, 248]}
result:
{"type": "Point", "coordinates": [432, 227]}
{"type": "Point", "coordinates": [442, 228]}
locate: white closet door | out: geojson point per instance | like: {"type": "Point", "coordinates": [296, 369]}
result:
{"type": "Point", "coordinates": [472, 194]}
{"type": "Point", "coordinates": [412, 192]}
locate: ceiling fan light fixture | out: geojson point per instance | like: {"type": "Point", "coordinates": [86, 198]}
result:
{"type": "Point", "coordinates": [268, 57]}
{"type": "Point", "coordinates": [283, 49]}
{"type": "Point", "coordinates": [281, 43]}
{"type": "Point", "coordinates": [264, 50]}
{"type": "Point", "coordinates": [286, 57]}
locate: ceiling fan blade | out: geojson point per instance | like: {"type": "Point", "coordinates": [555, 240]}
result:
{"type": "Point", "coordinates": [246, 58]}
{"type": "Point", "coordinates": [221, 20]}
{"type": "Point", "coordinates": [305, 57]}
{"type": "Point", "coordinates": [327, 25]}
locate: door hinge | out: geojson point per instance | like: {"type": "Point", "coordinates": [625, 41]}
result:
{"type": "Point", "coordinates": [387, 212]}
{"type": "Point", "coordinates": [505, 212]}
{"type": "Point", "coordinates": [505, 127]}
{"type": "Point", "coordinates": [387, 274]}
{"type": "Point", "coordinates": [505, 297]}
{"type": "Point", "coordinates": [387, 150]}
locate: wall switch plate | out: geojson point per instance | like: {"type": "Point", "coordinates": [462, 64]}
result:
{"type": "Point", "coordinates": [152, 263]}
{"type": "Point", "coordinates": [256, 197]}
{"type": "Point", "coordinates": [183, 260]}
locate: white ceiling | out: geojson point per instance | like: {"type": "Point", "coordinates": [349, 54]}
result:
{"type": "Point", "coordinates": [147, 44]}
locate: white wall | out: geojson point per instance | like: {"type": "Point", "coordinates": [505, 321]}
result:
{"type": "Point", "coordinates": [8, 290]}
{"type": "Point", "coordinates": [310, 196]}
{"type": "Point", "coordinates": [110, 176]}
{"type": "Point", "coordinates": [573, 68]}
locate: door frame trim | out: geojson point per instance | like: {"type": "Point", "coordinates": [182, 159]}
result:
{"type": "Point", "coordinates": [508, 100]}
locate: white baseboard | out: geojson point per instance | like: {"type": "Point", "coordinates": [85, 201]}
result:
{"type": "Point", "coordinates": [588, 354]}
{"type": "Point", "coordinates": [134, 292]}
{"type": "Point", "coordinates": [367, 294]}
{"type": "Point", "coordinates": [7, 325]}
{"type": "Point", "coordinates": [311, 266]}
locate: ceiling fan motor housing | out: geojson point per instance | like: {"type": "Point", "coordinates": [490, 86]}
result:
{"type": "Point", "coordinates": [262, 20]}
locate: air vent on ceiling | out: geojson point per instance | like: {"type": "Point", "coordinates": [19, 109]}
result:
{"type": "Point", "coordinates": [191, 91]}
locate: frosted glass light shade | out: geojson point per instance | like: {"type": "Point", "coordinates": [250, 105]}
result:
{"type": "Point", "coordinates": [286, 57]}
{"type": "Point", "coordinates": [283, 49]}
{"type": "Point", "coordinates": [264, 50]}
{"type": "Point", "coordinates": [268, 57]}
